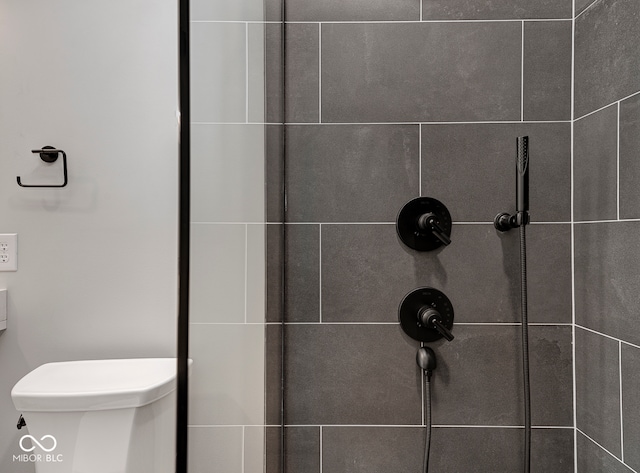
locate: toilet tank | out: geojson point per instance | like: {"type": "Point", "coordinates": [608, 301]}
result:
{"type": "Point", "coordinates": [101, 415]}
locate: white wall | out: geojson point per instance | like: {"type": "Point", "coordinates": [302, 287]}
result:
{"type": "Point", "coordinates": [97, 270]}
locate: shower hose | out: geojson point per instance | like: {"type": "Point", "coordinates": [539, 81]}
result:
{"type": "Point", "coordinates": [427, 413]}
{"type": "Point", "coordinates": [525, 350]}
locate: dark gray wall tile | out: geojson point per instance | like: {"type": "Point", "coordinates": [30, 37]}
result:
{"type": "Point", "coordinates": [302, 449]}
{"type": "Point", "coordinates": [479, 376]}
{"type": "Point", "coordinates": [607, 38]}
{"type": "Point", "coordinates": [352, 10]}
{"type": "Point", "coordinates": [302, 73]}
{"type": "Point", "coordinates": [471, 168]}
{"type": "Point", "coordinates": [274, 73]}
{"type": "Point", "coordinates": [547, 70]}
{"type": "Point", "coordinates": [421, 72]}
{"type": "Point", "coordinates": [593, 459]}
{"type": "Point", "coordinates": [350, 374]}
{"type": "Point", "coordinates": [273, 448]}
{"type": "Point", "coordinates": [302, 273]}
{"type": "Point", "coordinates": [273, 10]}
{"type": "Point", "coordinates": [366, 271]}
{"type": "Point", "coordinates": [350, 173]}
{"type": "Point", "coordinates": [495, 10]}
{"type": "Point", "coordinates": [274, 273]}
{"type": "Point", "coordinates": [582, 4]}
{"type": "Point", "coordinates": [273, 374]}
{"type": "Point", "coordinates": [607, 279]}
{"type": "Point", "coordinates": [631, 405]}
{"type": "Point", "coordinates": [595, 174]}
{"type": "Point", "coordinates": [598, 389]}
{"type": "Point", "coordinates": [372, 449]}
{"type": "Point", "coordinates": [495, 450]}
{"type": "Point", "coordinates": [274, 172]}
{"type": "Point", "coordinates": [629, 162]}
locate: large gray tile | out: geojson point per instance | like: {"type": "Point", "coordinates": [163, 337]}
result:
{"type": "Point", "coordinates": [629, 162]}
{"type": "Point", "coordinates": [220, 446]}
{"type": "Point", "coordinates": [254, 452]}
{"type": "Point", "coordinates": [595, 174]}
{"type": "Point", "coordinates": [593, 459]}
{"type": "Point", "coordinates": [273, 374]}
{"type": "Point", "coordinates": [479, 377]}
{"type": "Point", "coordinates": [495, 10]}
{"type": "Point", "coordinates": [302, 73]}
{"type": "Point", "coordinates": [274, 173]}
{"type": "Point", "coordinates": [274, 72]}
{"type": "Point", "coordinates": [471, 168]}
{"type": "Point", "coordinates": [229, 10]}
{"type": "Point", "coordinates": [302, 449]}
{"type": "Point", "coordinates": [607, 278]}
{"type": "Point", "coordinates": [598, 389]}
{"type": "Point", "coordinates": [352, 10]}
{"type": "Point", "coordinates": [256, 269]}
{"type": "Point", "coordinates": [366, 271]}
{"type": "Point", "coordinates": [350, 374]}
{"type": "Point", "coordinates": [498, 450]}
{"type": "Point", "coordinates": [350, 173]}
{"type": "Point", "coordinates": [547, 70]}
{"type": "Point", "coordinates": [421, 72]}
{"type": "Point", "coordinates": [607, 37]}
{"type": "Point", "coordinates": [273, 450]}
{"type": "Point", "coordinates": [256, 72]}
{"type": "Point", "coordinates": [302, 273]}
{"type": "Point", "coordinates": [631, 405]}
{"type": "Point", "coordinates": [275, 273]}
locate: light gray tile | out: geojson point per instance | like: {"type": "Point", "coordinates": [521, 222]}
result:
{"type": "Point", "coordinates": [547, 70]}
{"type": "Point", "coordinates": [631, 405]}
{"type": "Point", "coordinates": [352, 10]}
{"type": "Point", "coordinates": [254, 449]}
{"type": "Point", "coordinates": [471, 168]}
{"type": "Point", "coordinates": [217, 290]}
{"type": "Point", "coordinates": [495, 10]}
{"type": "Point", "coordinates": [256, 273]}
{"type": "Point", "coordinates": [218, 72]}
{"type": "Point", "coordinates": [607, 37]}
{"type": "Point", "coordinates": [421, 72]}
{"type": "Point", "coordinates": [228, 173]}
{"type": "Point", "coordinates": [227, 378]}
{"type": "Point", "coordinates": [350, 173]}
{"type": "Point", "coordinates": [595, 166]}
{"type": "Point", "coordinates": [607, 280]}
{"type": "Point", "coordinates": [256, 76]}
{"type": "Point", "coordinates": [350, 374]}
{"type": "Point", "coordinates": [629, 162]}
{"type": "Point", "coordinates": [219, 446]}
{"type": "Point", "coordinates": [227, 10]}
{"type": "Point", "coordinates": [593, 459]}
{"type": "Point", "coordinates": [598, 389]}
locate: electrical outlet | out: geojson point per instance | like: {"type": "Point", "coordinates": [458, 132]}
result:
{"type": "Point", "coordinates": [9, 252]}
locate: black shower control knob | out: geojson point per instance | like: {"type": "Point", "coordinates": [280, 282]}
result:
{"type": "Point", "coordinates": [424, 224]}
{"type": "Point", "coordinates": [426, 315]}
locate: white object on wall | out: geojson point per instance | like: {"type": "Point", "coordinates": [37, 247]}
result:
{"type": "Point", "coordinates": [3, 309]}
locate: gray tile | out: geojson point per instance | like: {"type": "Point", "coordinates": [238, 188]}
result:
{"type": "Point", "coordinates": [227, 10]}
{"type": "Point", "coordinates": [629, 163]}
{"type": "Point", "coordinates": [274, 73]}
{"type": "Point", "coordinates": [598, 389]}
{"type": "Point", "coordinates": [255, 438]}
{"type": "Point", "coordinates": [273, 10]}
{"type": "Point", "coordinates": [273, 450]}
{"type": "Point", "coordinates": [471, 168]}
{"type": "Point", "coordinates": [256, 72]}
{"type": "Point", "coordinates": [274, 172]}
{"type": "Point", "coordinates": [302, 449]}
{"type": "Point", "coordinates": [372, 449]}
{"type": "Point", "coordinates": [495, 10]}
{"type": "Point", "coordinates": [421, 72]}
{"type": "Point", "coordinates": [332, 172]}
{"type": "Point", "coordinates": [273, 374]}
{"type": "Point", "coordinates": [552, 451]}
{"type": "Point", "coordinates": [220, 446]}
{"type": "Point", "coordinates": [352, 10]}
{"type": "Point", "coordinates": [607, 280]}
{"type": "Point", "coordinates": [256, 268]}
{"type": "Point", "coordinates": [607, 37]}
{"type": "Point", "coordinates": [350, 374]}
{"type": "Point", "coordinates": [631, 405]}
{"type": "Point", "coordinates": [547, 70]}
{"type": "Point", "coordinates": [595, 166]}
{"type": "Point", "coordinates": [275, 272]}
{"type": "Point", "coordinates": [582, 4]}
{"type": "Point", "coordinates": [302, 273]}
{"type": "Point", "coordinates": [366, 271]}
{"type": "Point", "coordinates": [302, 73]}
{"type": "Point", "coordinates": [479, 377]}
{"type": "Point", "coordinates": [593, 459]}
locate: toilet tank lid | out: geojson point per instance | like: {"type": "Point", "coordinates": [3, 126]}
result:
{"type": "Point", "coordinates": [95, 384]}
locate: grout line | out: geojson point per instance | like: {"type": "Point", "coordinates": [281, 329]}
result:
{"type": "Point", "coordinates": [416, 122]}
{"type": "Point", "coordinates": [442, 426]}
{"type": "Point", "coordinates": [421, 12]}
{"type": "Point", "coordinates": [235, 323]}
{"type": "Point", "coordinates": [321, 449]}
{"type": "Point", "coordinates": [236, 223]}
{"type": "Point", "coordinates": [420, 152]}
{"type": "Point", "coordinates": [387, 223]}
{"type": "Point", "coordinates": [573, 266]}
{"type": "Point", "coordinates": [608, 105]}
{"type": "Point", "coordinates": [242, 448]}
{"type": "Point", "coordinates": [320, 272]}
{"type": "Point", "coordinates": [631, 469]}
{"type": "Point", "coordinates": [319, 72]}
{"type": "Point", "coordinates": [393, 22]}
{"type": "Point", "coordinates": [246, 53]}
{"type": "Point", "coordinates": [208, 426]}
{"type": "Point", "coordinates": [607, 336]}
{"type": "Point", "coordinates": [585, 222]}
{"type": "Point", "coordinates": [587, 8]}
{"type": "Point", "coordinates": [246, 270]}
{"type": "Point", "coordinates": [522, 77]}
{"type": "Point", "coordinates": [253, 22]}
{"type": "Point", "coordinates": [618, 165]}
{"type": "Point", "coordinates": [456, 324]}
{"type": "Point", "coordinates": [621, 417]}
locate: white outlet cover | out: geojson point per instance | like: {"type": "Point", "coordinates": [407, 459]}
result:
{"type": "Point", "coordinates": [9, 252]}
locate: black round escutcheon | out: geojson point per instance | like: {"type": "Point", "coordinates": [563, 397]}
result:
{"type": "Point", "coordinates": [411, 307]}
{"type": "Point", "coordinates": [414, 229]}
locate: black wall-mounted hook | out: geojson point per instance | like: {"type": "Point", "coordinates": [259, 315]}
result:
{"type": "Point", "coordinates": [424, 224]}
{"type": "Point", "coordinates": [49, 154]}
{"type": "Point", "coordinates": [426, 315]}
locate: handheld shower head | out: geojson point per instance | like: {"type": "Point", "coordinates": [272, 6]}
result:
{"type": "Point", "coordinates": [522, 175]}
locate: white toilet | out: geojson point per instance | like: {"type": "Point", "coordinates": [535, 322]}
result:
{"type": "Point", "coordinates": [99, 416]}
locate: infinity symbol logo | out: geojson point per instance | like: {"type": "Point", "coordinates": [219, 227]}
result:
{"type": "Point", "coordinates": [35, 442]}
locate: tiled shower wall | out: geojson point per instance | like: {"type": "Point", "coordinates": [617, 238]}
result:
{"type": "Point", "coordinates": [385, 102]}
{"type": "Point", "coordinates": [607, 224]}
